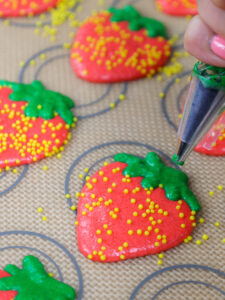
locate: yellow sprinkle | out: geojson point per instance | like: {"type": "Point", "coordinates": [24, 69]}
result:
{"type": "Point", "coordinates": [40, 209]}
{"type": "Point", "coordinates": [122, 256]}
{"type": "Point", "coordinates": [15, 171]}
{"type": "Point", "coordinates": [80, 176]}
{"type": "Point", "coordinates": [130, 232]}
{"type": "Point", "coordinates": [22, 63]}
{"type": "Point", "coordinates": [122, 97]}
{"type": "Point", "coordinates": [201, 220]}
{"type": "Point", "coordinates": [159, 262]}
{"type": "Point", "coordinates": [223, 240]}
{"type": "Point", "coordinates": [161, 255]}
{"type": "Point", "coordinates": [90, 256]}
{"type": "Point", "coordinates": [217, 224]}
{"type": "Point", "coordinates": [42, 56]}
{"type": "Point", "coordinates": [44, 218]}
{"type": "Point", "coordinates": [112, 105]}
{"type": "Point", "coordinates": [198, 242]}
{"type": "Point", "coordinates": [211, 193]}
{"type": "Point", "coordinates": [6, 22]}
{"type": "Point", "coordinates": [102, 257]}
{"type": "Point", "coordinates": [205, 237]}
{"type": "Point", "coordinates": [45, 168]}
{"type": "Point", "coordinates": [73, 207]}
{"type": "Point", "coordinates": [67, 196]}
{"type": "Point", "coordinates": [50, 274]}
{"type": "Point", "coordinates": [220, 187]}
{"type": "Point", "coordinates": [99, 241]}
{"type": "Point", "coordinates": [67, 45]}
{"type": "Point", "coordinates": [32, 62]}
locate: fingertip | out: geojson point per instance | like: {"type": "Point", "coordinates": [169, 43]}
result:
{"type": "Point", "coordinates": [197, 41]}
{"type": "Point", "coordinates": [219, 3]}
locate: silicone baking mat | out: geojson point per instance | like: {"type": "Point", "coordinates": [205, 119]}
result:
{"type": "Point", "coordinates": [142, 122]}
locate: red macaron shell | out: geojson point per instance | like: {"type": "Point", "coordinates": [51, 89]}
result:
{"type": "Point", "coordinates": [103, 218]}
{"type": "Point", "coordinates": [104, 51]}
{"type": "Point", "coordinates": [20, 8]}
{"type": "Point", "coordinates": [213, 142]}
{"type": "Point", "coordinates": [39, 133]}
{"type": "Point", "coordinates": [178, 7]}
{"type": "Point", "coordinates": [6, 295]}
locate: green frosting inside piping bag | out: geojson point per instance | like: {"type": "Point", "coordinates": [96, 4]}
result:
{"type": "Point", "coordinates": [41, 102]}
{"type": "Point", "coordinates": [33, 282]}
{"type": "Point", "coordinates": [154, 172]}
{"type": "Point", "coordinates": [210, 76]}
{"type": "Point", "coordinates": [136, 21]}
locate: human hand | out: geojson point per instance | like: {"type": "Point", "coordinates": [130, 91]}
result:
{"type": "Point", "coordinates": [205, 35]}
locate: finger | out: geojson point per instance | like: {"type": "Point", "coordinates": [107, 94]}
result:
{"type": "Point", "coordinates": [219, 3]}
{"type": "Point", "coordinates": [213, 16]}
{"type": "Point", "coordinates": [197, 41]}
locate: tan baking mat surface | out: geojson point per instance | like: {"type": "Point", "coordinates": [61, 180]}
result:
{"type": "Point", "coordinates": [140, 121]}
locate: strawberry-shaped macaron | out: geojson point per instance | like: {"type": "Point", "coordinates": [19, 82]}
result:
{"type": "Point", "coordinates": [134, 207]}
{"type": "Point", "coordinates": [119, 45]}
{"type": "Point", "coordinates": [213, 142]}
{"type": "Point", "coordinates": [32, 282]}
{"type": "Point", "coordinates": [21, 8]}
{"type": "Point", "coordinates": [34, 122]}
{"type": "Point", "coordinates": [178, 7]}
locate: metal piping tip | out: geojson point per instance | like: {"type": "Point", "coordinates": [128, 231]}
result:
{"type": "Point", "coordinates": [183, 149]}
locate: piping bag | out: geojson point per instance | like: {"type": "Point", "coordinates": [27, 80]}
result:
{"type": "Point", "coordinates": [205, 102]}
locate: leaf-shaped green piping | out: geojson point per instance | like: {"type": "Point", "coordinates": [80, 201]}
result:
{"type": "Point", "coordinates": [136, 21]}
{"type": "Point", "coordinates": [154, 173]}
{"type": "Point", "coordinates": [33, 282]}
{"type": "Point", "coordinates": [41, 102]}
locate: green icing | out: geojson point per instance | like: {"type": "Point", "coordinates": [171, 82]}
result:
{"type": "Point", "coordinates": [175, 160]}
{"type": "Point", "coordinates": [33, 282]}
{"type": "Point", "coordinates": [154, 172]}
{"type": "Point", "coordinates": [136, 21]}
{"type": "Point", "coordinates": [210, 76]}
{"type": "Point", "coordinates": [41, 102]}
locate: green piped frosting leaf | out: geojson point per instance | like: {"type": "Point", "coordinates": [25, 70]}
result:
{"type": "Point", "coordinates": [33, 282]}
{"type": "Point", "coordinates": [154, 172]}
{"type": "Point", "coordinates": [41, 102]}
{"type": "Point", "coordinates": [210, 76]}
{"type": "Point", "coordinates": [136, 21]}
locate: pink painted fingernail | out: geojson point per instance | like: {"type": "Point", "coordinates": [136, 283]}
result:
{"type": "Point", "coordinates": [218, 46]}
